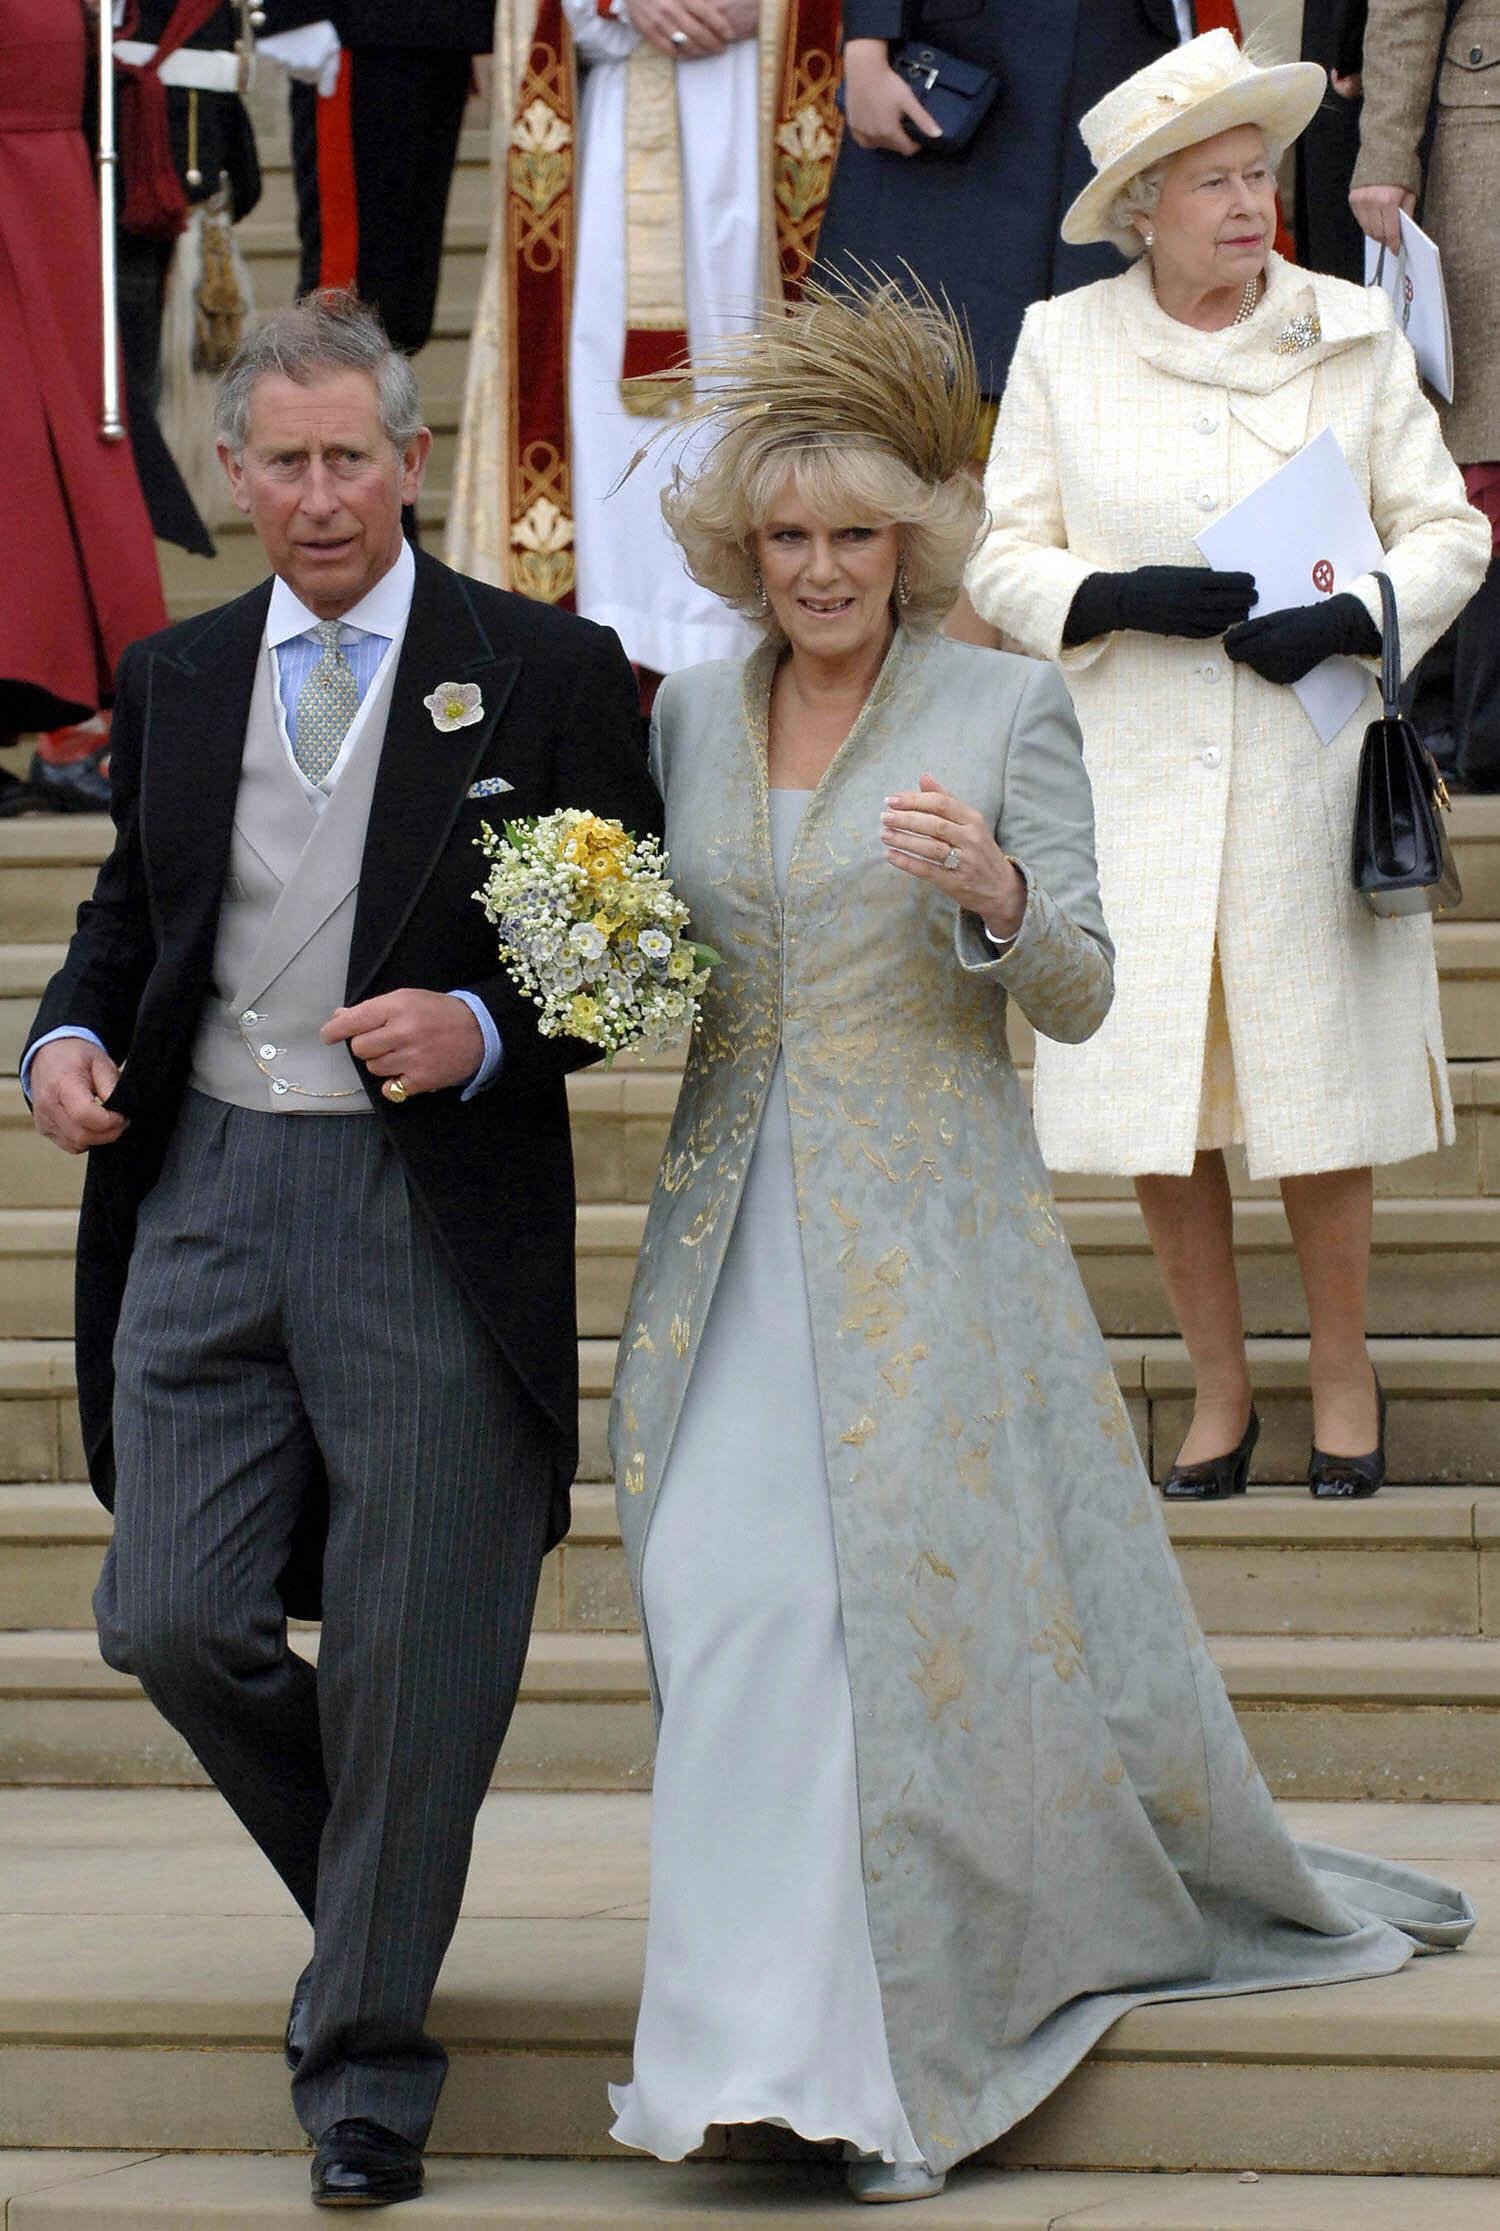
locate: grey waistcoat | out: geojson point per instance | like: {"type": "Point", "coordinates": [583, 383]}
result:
{"type": "Point", "coordinates": [281, 962]}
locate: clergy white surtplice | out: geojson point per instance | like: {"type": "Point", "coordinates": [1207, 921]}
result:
{"type": "Point", "coordinates": [630, 571]}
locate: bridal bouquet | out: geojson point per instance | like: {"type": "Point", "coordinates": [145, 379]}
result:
{"type": "Point", "coordinates": [591, 929]}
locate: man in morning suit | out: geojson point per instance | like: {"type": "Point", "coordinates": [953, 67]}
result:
{"type": "Point", "coordinates": [325, 1274]}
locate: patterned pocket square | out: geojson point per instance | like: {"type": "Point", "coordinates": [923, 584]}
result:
{"type": "Point", "coordinates": [492, 787]}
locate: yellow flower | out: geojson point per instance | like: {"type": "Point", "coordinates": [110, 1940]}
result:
{"type": "Point", "coordinates": [600, 848]}
{"type": "Point", "coordinates": [680, 966]}
{"type": "Point", "coordinates": [583, 1014]}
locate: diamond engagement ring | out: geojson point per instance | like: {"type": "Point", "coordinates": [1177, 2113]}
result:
{"type": "Point", "coordinates": [394, 1088]}
{"type": "Point", "coordinates": [679, 38]}
{"type": "Point", "coordinates": [951, 858]}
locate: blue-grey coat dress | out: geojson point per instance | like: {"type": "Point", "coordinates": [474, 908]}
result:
{"type": "Point", "coordinates": [1060, 1818]}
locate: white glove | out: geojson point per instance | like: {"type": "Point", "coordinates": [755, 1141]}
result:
{"type": "Point", "coordinates": [310, 53]}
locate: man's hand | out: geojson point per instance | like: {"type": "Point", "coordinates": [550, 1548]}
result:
{"type": "Point", "coordinates": [70, 1081]}
{"type": "Point", "coordinates": [702, 26]}
{"type": "Point", "coordinates": [1378, 209]}
{"type": "Point", "coordinates": [877, 100]}
{"type": "Point", "coordinates": [428, 1039]}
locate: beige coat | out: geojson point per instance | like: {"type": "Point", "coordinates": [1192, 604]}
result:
{"type": "Point", "coordinates": [1405, 52]}
{"type": "Point", "coordinates": [1220, 816]}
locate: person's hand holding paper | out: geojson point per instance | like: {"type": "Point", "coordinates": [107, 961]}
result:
{"type": "Point", "coordinates": [1307, 536]}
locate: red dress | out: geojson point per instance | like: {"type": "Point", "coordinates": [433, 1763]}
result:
{"type": "Point", "coordinates": [78, 572]}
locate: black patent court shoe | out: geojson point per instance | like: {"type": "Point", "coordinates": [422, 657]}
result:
{"type": "Point", "coordinates": [1219, 1476]}
{"type": "Point", "coordinates": [1342, 1478]}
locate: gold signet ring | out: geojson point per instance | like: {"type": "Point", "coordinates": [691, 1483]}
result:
{"type": "Point", "coordinates": [394, 1088]}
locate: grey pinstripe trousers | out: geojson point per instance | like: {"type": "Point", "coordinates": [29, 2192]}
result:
{"type": "Point", "coordinates": [287, 1303]}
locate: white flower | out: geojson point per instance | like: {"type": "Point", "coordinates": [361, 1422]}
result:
{"type": "Point", "coordinates": [454, 705]}
{"type": "Point", "coordinates": [587, 942]}
{"type": "Point", "coordinates": [655, 944]}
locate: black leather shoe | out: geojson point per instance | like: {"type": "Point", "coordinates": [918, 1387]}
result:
{"type": "Point", "coordinates": [1345, 1478]}
{"type": "Point", "coordinates": [294, 2045]}
{"type": "Point", "coordinates": [1218, 1476]}
{"type": "Point", "coordinates": [359, 2164]}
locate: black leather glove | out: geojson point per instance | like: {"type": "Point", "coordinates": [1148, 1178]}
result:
{"type": "Point", "coordinates": [1283, 646]}
{"type": "Point", "coordinates": [1159, 600]}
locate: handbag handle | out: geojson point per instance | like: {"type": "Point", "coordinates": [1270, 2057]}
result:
{"type": "Point", "coordinates": [1390, 650]}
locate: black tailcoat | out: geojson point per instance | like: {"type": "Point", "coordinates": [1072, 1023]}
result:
{"type": "Point", "coordinates": [495, 1174]}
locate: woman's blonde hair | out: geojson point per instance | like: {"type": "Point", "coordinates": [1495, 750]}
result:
{"type": "Point", "coordinates": [716, 513]}
{"type": "Point", "coordinates": [868, 405]}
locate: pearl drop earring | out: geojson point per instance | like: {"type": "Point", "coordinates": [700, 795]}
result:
{"type": "Point", "coordinates": [1150, 240]}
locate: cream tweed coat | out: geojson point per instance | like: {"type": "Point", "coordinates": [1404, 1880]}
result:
{"type": "Point", "coordinates": [1221, 819]}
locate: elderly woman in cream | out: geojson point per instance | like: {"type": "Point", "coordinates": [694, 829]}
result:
{"type": "Point", "coordinates": [945, 1778]}
{"type": "Point", "coordinates": [1257, 999]}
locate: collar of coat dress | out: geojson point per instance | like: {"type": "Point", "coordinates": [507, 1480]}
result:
{"type": "Point", "coordinates": [1303, 319]}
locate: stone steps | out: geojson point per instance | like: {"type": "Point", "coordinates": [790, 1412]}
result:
{"type": "Point", "coordinates": [147, 1955]}
{"type": "Point", "coordinates": [264, 2192]}
{"type": "Point", "coordinates": [1417, 1561]}
{"type": "Point", "coordinates": [1399, 1718]}
{"type": "Point", "coordinates": [1435, 1268]}
{"type": "Point", "coordinates": [1444, 1397]}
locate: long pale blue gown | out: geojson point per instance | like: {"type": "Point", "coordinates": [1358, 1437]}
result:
{"type": "Point", "coordinates": [761, 2002]}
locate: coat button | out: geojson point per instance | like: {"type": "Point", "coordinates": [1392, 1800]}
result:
{"type": "Point", "coordinates": [1476, 54]}
{"type": "Point", "coordinates": [250, 1018]}
{"type": "Point", "coordinates": [1211, 757]}
{"type": "Point", "coordinates": [1209, 673]}
{"type": "Point", "coordinates": [1208, 502]}
{"type": "Point", "coordinates": [268, 1053]}
{"type": "Point", "coordinates": [1207, 425]}
{"type": "Point", "coordinates": [279, 1084]}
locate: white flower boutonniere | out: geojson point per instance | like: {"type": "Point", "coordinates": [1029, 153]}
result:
{"type": "Point", "coordinates": [454, 705]}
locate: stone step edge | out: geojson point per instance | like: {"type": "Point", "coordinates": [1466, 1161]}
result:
{"type": "Point", "coordinates": [1446, 1519]}
{"type": "Point", "coordinates": [518, 2195]}
{"type": "Point", "coordinates": [1459, 1225]}
{"type": "Point", "coordinates": [600, 1666]}
{"type": "Point", "coordinates": [1439, 1366]}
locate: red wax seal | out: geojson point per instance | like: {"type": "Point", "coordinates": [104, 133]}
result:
{"type": "Point", "coordinates": [1323, 576]}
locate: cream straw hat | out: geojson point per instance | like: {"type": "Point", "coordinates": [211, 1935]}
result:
{"type": "Point", "coordinates": [1200, 89]}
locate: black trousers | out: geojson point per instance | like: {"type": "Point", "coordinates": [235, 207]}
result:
{"type": "Point", "coordinates": [406, 107]}
{"type": "Point", "coordinates": [289, 1310]}
{"type": "Point", "coordinates": [1455, 691]}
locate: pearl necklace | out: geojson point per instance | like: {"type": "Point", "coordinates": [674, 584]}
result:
{"type": "Point", "coordinates": [1249, 302]}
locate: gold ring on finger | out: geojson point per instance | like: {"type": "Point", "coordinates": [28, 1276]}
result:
{"type": "Point", "coordinates": [395, 1088]}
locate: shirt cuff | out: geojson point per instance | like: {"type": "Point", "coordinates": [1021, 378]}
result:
{"type": "Point", "coordinates": [494, 1051]}
{"type": "Point", "coordinates": [66, 1030]}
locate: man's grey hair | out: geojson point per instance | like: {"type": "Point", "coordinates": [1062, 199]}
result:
{"type": "Point", "coordinates": [329, 331]}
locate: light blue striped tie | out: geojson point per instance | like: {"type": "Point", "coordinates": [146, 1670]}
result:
{"type": "Point", "coordinates": [326, 704]}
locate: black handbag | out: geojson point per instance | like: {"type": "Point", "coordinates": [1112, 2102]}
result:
{"type": "Point", "coordinates": [957, 95]}
{"type": "Point", "coordinates": [1401, 860]}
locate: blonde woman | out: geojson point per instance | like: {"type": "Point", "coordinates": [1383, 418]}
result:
{"type": "Point", "coordinates": [1258, 1001]}
{"type": "Point", "coordinates": [945, 1778]}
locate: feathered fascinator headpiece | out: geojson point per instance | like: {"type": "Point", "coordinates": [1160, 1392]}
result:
{"type": "Point", "coordinates": [887, 367]}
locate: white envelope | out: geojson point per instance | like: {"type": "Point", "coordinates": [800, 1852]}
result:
{"type": "Point", "coordinates": [1414, 281]}
{"type": "Point", "coordinates": [1306, 535]}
